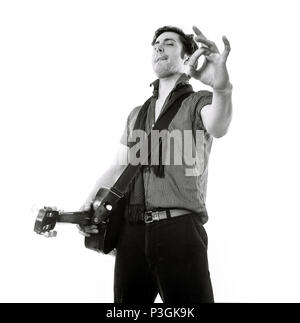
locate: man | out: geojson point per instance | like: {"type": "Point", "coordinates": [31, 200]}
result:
{"type": "Point", "coordinates": [168, 253]}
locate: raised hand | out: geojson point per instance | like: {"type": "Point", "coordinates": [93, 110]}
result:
{"type": "Point", "coordinates": [213, 71]}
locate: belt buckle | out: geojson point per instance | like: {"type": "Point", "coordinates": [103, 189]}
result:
{"type": "Point", "coordinates": [151, 216]}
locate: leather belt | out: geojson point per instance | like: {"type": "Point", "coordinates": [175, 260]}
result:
{"type": "Point", "coordinates": [151, 216]}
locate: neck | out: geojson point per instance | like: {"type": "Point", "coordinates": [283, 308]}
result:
{"type": "Point", "coordinates": [167, 84]}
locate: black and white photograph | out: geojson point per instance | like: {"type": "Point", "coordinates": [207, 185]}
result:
{"type": "Point", "coordinates": [149, 152]}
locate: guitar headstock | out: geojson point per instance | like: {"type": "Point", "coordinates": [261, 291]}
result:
{"type": "Point", "coordinates": [46, 221]}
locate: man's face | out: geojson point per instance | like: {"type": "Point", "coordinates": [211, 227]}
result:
{"type": "Point", "coordinates": [166, 58]}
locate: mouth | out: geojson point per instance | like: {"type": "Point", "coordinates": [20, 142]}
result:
{"type": "Point", "coordinates": [161, 58]}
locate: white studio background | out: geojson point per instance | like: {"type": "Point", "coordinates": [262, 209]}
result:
{"type": "Point", "coordinates": [71, 71]}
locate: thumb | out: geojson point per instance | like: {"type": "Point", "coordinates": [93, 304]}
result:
{"type": "Point", "coordinates": [86, 206]}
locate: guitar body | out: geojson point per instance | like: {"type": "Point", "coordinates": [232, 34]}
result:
{"type": "Point", "coordinates": [109, 229]}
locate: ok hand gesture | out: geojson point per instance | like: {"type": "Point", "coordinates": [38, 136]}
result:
{"type": "Point", "coordinates": [213, 72]}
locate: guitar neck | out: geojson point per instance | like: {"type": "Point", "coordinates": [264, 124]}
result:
{"type": "Point", "coordinates": [82, 218]}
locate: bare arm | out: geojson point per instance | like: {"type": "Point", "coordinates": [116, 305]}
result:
{"type": "Point", "coordinates": [217, 116]}
{"type": "Point", "coordinates": [213, 72]}
{"type": "Point", "coordinates": [107, 179]}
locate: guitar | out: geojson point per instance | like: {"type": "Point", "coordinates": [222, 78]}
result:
{"type": "Point", "coordinates": [106, 212]}
{"type": "Point", "coordinates": [108, 207]}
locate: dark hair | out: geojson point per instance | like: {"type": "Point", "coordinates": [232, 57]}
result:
{"type": "Point", "coordinates": [187, 40]}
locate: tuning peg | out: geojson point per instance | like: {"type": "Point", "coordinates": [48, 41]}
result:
{"type": "Point", "coordinates": [50, 234]}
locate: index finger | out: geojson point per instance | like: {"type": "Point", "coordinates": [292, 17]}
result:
{"type": "Point", "coordinates": [198, 32]}
{"type": "Point", "coordinates": [200, 51]}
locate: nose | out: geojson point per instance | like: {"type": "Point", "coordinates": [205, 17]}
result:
{"type": "Point", "coordinates": [159, 48]}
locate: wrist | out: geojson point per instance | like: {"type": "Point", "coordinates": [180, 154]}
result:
{"type": "Point", "coordinates": [226, 90]}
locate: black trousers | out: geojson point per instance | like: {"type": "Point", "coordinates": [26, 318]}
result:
{"type": "Point", "coordinates": [168, 257]}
